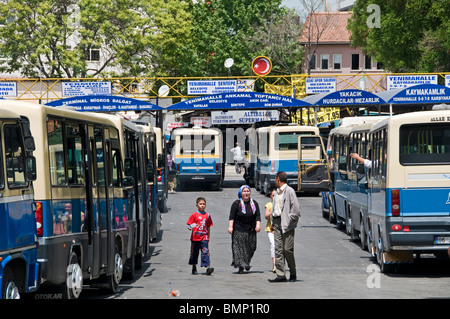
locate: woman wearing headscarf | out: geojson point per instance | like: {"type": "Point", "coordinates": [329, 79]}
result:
{"type": "Point", "coordinates": [244, 222]}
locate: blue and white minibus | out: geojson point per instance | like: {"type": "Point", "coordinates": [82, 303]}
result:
{"type": "Point", "coordinates": [198, 155]}
{"type": "Point", "coordinates": [277, 150]}
{"type": "Point", "coordinates": [80, 210]}
{"type": "Point", "coordinates": [136, 194]}
{"type": "Point", "coordinates": [152, 147]}
{"type": "Point", "coordinates": [339, 149]}
{"type": "Point", "coordinates": [409, 186]}
{"type": "Point", "coordinates": [19, 269]}
{"type": "Point", "coordinates": [357, 201]}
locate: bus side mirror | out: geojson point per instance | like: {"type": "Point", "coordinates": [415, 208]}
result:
{"type": "Point", "coordinates": [360, 169]}
{"type": "Point", "coordinates": [160, 161]}
{"type": "Point", "coordinates": [29, 143]}
{"type": "Point", "coordinates": [30, 168]}
{"type": "Point", "coordinates": [150, 170]}
{"type": "Point", "coordinates": [129, 167]}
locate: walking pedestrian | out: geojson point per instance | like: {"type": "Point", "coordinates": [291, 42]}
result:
{"type": "Point", "coordinates": [200, 223]}
{"type": "Point", "coordinates": [269, 230]}
{"type": "Point", "coordinates": [244, 222]}
{"type": "Point", "coordinates": [285, 215]}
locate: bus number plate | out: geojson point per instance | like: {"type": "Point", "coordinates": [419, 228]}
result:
{"type": "Point", "coordinates": [441, 240]}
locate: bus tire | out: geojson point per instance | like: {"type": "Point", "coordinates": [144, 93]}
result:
{"type": "Point", "coordinates": [384, 267]}
{"type": "Point", "coordinates": [332, 212]}
{"type": "Point", "coordinates": [363, 236]}
{"type": "Point", "coordinates": [114, 279]}
{"type": "Point", "coordinates": [10, 290]}
{"type": "Point", "coordinates": [74, 279]}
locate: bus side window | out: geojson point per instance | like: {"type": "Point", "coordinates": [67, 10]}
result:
{"type": "Point", "coordinates": [15, 156]}
{"type": "Point", "coordinates": [75, 170]}
{"type": "Point", "coordinates": [56, 152]}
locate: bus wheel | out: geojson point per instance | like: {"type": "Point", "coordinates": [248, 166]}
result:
{"type": "Point", "coordinates": [363, 236]}
{"type": "Point", "coordinates": [116, 276]}
{"type": "Point", "coordinates": [331, 212]}
{"type": "Point", "coordinates": [74, 279]}
{"type": "Point", "coordinates": [9, 290]}
{"type": "Point", "coordinates": [384, 267]}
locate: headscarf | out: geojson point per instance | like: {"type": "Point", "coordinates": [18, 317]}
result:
{"type": "Point", "coordinates": [252, 203]}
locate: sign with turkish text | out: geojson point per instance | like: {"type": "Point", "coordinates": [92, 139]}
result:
{"type": "Point", "coordinates": [85, 88]}
{"type": "Point", "coordinates": [403, 81]}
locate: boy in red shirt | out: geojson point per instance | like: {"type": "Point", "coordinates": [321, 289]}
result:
{"type": "Point", "coordinates": [200, 223]}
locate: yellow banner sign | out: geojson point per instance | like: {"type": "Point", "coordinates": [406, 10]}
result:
{"type": "Point", "coordinates": [325, 114]}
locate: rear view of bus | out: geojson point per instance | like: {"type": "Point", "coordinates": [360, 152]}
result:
{"type": "Point", "coordinates": [19, 269]}
{"type": "Point", "coordinates": [198, 156]}
{"type": "Point", "coordinates": [411, 171]}
{"type": "Point", "coordinates": [277, 147]}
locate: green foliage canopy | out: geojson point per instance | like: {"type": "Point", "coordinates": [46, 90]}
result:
{"type": "Point", "coordinates": [414, 35]}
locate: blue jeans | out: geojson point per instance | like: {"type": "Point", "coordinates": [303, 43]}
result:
{"type": "Point", "coordinates": [197, 246]}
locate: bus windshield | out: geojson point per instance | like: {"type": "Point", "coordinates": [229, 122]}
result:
{"type": "Point", "coordinates": [288, 140]}
{"type": "Point", "coordinates": [197, 144]}
{"type": "Point", "coordinates": [425, 144]}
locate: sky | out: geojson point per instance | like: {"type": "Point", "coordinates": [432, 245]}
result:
{"type": "Point", "coordinates": [295, 4]}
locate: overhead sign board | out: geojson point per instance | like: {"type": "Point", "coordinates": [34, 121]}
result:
{"type": "Point", "coordinates": [238, 100]}
{"type": "Point", "coordinates": [8, 89]}
{"type": "Point", "coordinates": [206, 87]}
{"type": "Point", "coordinates": [417, 94]}
{"type": "Point", "coordinates": [85, 88]}
{"type": "Point", "coordinates": [316, 85]}
{"type": "Point", "coordinates": [351, 97]}
{"type": "Point", "coordinates": [403, 81]}
{"type": "Point", "coordinates": [104, 103]}
{"type": "Point", "coordinates": [244, 117]}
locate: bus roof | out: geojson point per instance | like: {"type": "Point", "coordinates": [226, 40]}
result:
{"type": "Point", "coordinates": [196, 130]}
{"type": "Point", "coordinates": [426, 117]}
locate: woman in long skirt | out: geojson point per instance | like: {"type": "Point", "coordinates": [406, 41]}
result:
{"type": "Point", "coordinates": [244, 222]}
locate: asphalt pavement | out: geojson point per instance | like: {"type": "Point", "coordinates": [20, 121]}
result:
{"type": "Point", "coordinates": [329, 265]}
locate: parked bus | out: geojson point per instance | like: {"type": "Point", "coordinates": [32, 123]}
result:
{"type": "Point", "coordinates": [409, 186]}
{"type": "Point", "coordinates": [198, 155]}
{"type": "Point", "coordinates": [339, 149]}
{"type": "Point", "coordinates": [152, 158]}
{"type": "Point", "coordinates": [19, 269]}
{"type": "Point", "coordinates": [136, 192]}
{"type": "Point", "coordinates": [339, 185]}
{"type": "Point", "coordinates": [357, 207]}
{"type": "Point", "coordinates": [276, 148]}
{"type": "Point", "coordinates": [81, 214]}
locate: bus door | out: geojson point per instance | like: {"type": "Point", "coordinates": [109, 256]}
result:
{"type": "Point", "coordinates": [151, 177]}
{"type": "Point", "coordinates": [98, 201]}
{"type": "Point", "coordinates": [313, 168]}
{"type": "Point", "coordinates": [109, 199]}
{"type": "Point", "coordinates": [142, 191]}
{"type": "Point", "coordinates": [134, 193]}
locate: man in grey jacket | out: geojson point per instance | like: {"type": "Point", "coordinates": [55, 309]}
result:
{"type": "Point", "coordinates": [285, 215]}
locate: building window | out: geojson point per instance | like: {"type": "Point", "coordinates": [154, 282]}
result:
{"type": "Point", "coordinates": [312, 62]}
{"type": "Point", "coordinates": [355, 61]}
{"type": "Point", "coordinates": [92, 55]}
{"type": "Point", "coordinates": [367, 62]}
{"type": "Point", "coordinates": [324, 61]}
{"type": "Point", "coordinates": [337, 61]}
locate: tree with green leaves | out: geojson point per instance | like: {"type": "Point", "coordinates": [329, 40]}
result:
{"type": "Point", "coordinates": [222, 29]}
{"type": "Point", "coordinates": [412, 35]}
{"type": "Point", "coordinates": [53, 38]}
{"type": "Point", "coordinates": [278, 38]}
